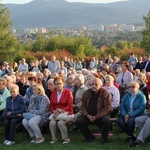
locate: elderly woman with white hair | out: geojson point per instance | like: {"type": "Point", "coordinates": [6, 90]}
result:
{"type": "Point", "coordinates": [78, 91]}
{"type": "Point", "coordinates": [114, 93]}
{"type": "Point", "coordinates": [9, 80]}
{"type": "Point", "coordinates": [13, 113]}
{"type": "Point", "coordinates": [50, 87]}
{"type": "Point", "coordinates": [85, 71]}
{"type": "Point", "coordinates": [69, 81]}
{"type": "Point", "coordinates": [132, 105]}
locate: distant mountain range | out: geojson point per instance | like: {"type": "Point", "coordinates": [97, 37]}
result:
{"type": "Point", "coordinates": [60, 13]}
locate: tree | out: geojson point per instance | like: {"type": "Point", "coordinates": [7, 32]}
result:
{"type": "Point", "coordinates": [40, 44]}
{"type": "Point", "coordinates": [146, 33]}
{"type": "Point", "coordinates": [121, 44]}
{"type": "Point", "coordinates": [9, 45]}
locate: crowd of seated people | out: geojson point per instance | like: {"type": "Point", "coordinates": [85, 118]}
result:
{"type": "Point", "coordinates": [88, 94]}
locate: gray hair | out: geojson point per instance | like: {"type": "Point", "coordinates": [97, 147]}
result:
{"type": "Point", "coordinates": [14, 86]}
{"type": "Point", "coordinates": [50, 81]}
{"type": "Point", "coordinates": [89, 76]}
{"type": "Point", "coordinates": [80, 77]}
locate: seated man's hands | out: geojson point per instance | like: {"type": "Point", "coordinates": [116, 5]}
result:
{"type": "Point", "coordinates": [91, 118]}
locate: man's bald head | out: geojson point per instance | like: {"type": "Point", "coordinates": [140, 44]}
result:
{"type": "Point", "coordinates": [96, 84]}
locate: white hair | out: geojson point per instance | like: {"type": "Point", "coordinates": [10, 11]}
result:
{"type": "Point", "coordinates": [89, 76]}
{"type": "Point", "coordinates": [80, 77]}
{"type": "Point", "coordinates": [50, 81]}
{"type": "Point", "coordinates": [14, 86]}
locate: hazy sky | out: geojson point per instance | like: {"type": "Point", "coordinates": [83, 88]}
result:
{"type": "Point", "coordinates": [88, 1]}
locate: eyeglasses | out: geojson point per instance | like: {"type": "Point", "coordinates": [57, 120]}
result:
{"type": "Point", "coordinates": [95, 84]}
{"type": "Point", "coordinates": [108, 80]}
{"type": "Point", "coordinates": [131, 87]}
{"type": "Point", "coordinates": [58, 83]}
{"type": "Point", "coordinates": [88, 78]}
{"type": "Point", "coordinates": [50, 84]}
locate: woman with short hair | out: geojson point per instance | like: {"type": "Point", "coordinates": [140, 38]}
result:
{"type": "Point", "coordinates": [114, 93]}
{"type": "Point", "coordinates": [78, 91]}
{"type": "Point", "coordinates": [50, 87]}
{"type": "Point", "coordinates": [13, 113]}
{"type": "Point", "coordinates": [133, 105]}
{"type": "Point", "coordinates": [61, 100]}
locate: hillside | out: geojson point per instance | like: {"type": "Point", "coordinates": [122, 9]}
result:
{"type": "Point", "coordinates": [60, 13]}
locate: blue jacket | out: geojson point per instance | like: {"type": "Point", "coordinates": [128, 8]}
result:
{"type": "Point", "coordinates": [16, 106]}
{"type": "Point", "coordinates": [139, 105]}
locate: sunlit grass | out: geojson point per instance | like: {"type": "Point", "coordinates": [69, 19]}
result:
{"type": "Point", "coordinates": [75, 144]}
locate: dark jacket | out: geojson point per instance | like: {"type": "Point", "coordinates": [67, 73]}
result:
{"type": "Point", "coordinates": [22, 88]}
{"type": "Point", "coordinates": [44, 82]}
{"type": "Point", "coordinates": [103, 103]}
{"type": "Point", "coordinates": [139, 65]}
{"type": "Point", "coordinates": [148, 66]}
{"type": "Point", "coordinates": [16, 106]}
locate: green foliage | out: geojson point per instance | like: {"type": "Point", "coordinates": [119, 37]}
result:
{"type": "Point", "coordinates": [10, 48]}
{"type": "Point", "coordinates": [113, 38]}
{"type": "Point", "coordinates": [28, 46]}
{"type": "Point", "coordinates": [146, 33]}
{"type": "Point", "coordinates": [40, 44]}
{"type": "Point", "coordinates": [112, 51]}
{"type": "Point", "coordinates": [122, 44]}
{"type": "Point", "coordinates": [77, 46]}
{"type": "Point", "coordinates": [137, 44]}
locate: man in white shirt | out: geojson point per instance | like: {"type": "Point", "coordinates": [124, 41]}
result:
{"type": "Point", "coordinates": [93, 63]}
{"type": "Point", "coordinates": [53, 65]}
{"type": "Point", "coordinates": [23, 66]}
{"type": "Point", "coordinates": [124, 78]}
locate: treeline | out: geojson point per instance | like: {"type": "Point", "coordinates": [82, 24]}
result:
{"type": "Point", "coordinates": [76, 47]}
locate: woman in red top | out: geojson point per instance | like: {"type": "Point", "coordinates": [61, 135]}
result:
{"type": "Point", "coordinates": [61, 98]}
{"type": "Point", "coordinates": [148, 81]}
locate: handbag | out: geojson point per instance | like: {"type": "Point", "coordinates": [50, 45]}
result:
{"type": "Point", "coordinates": [61, 116]}
{"type": "Point", "coordinates": [28, 115]}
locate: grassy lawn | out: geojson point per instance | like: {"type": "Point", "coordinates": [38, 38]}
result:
{"type": "Point", "coordinates": [75, 144]}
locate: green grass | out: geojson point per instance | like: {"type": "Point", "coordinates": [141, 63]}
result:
{"type": "Point", "coordinates": [75, 144]}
